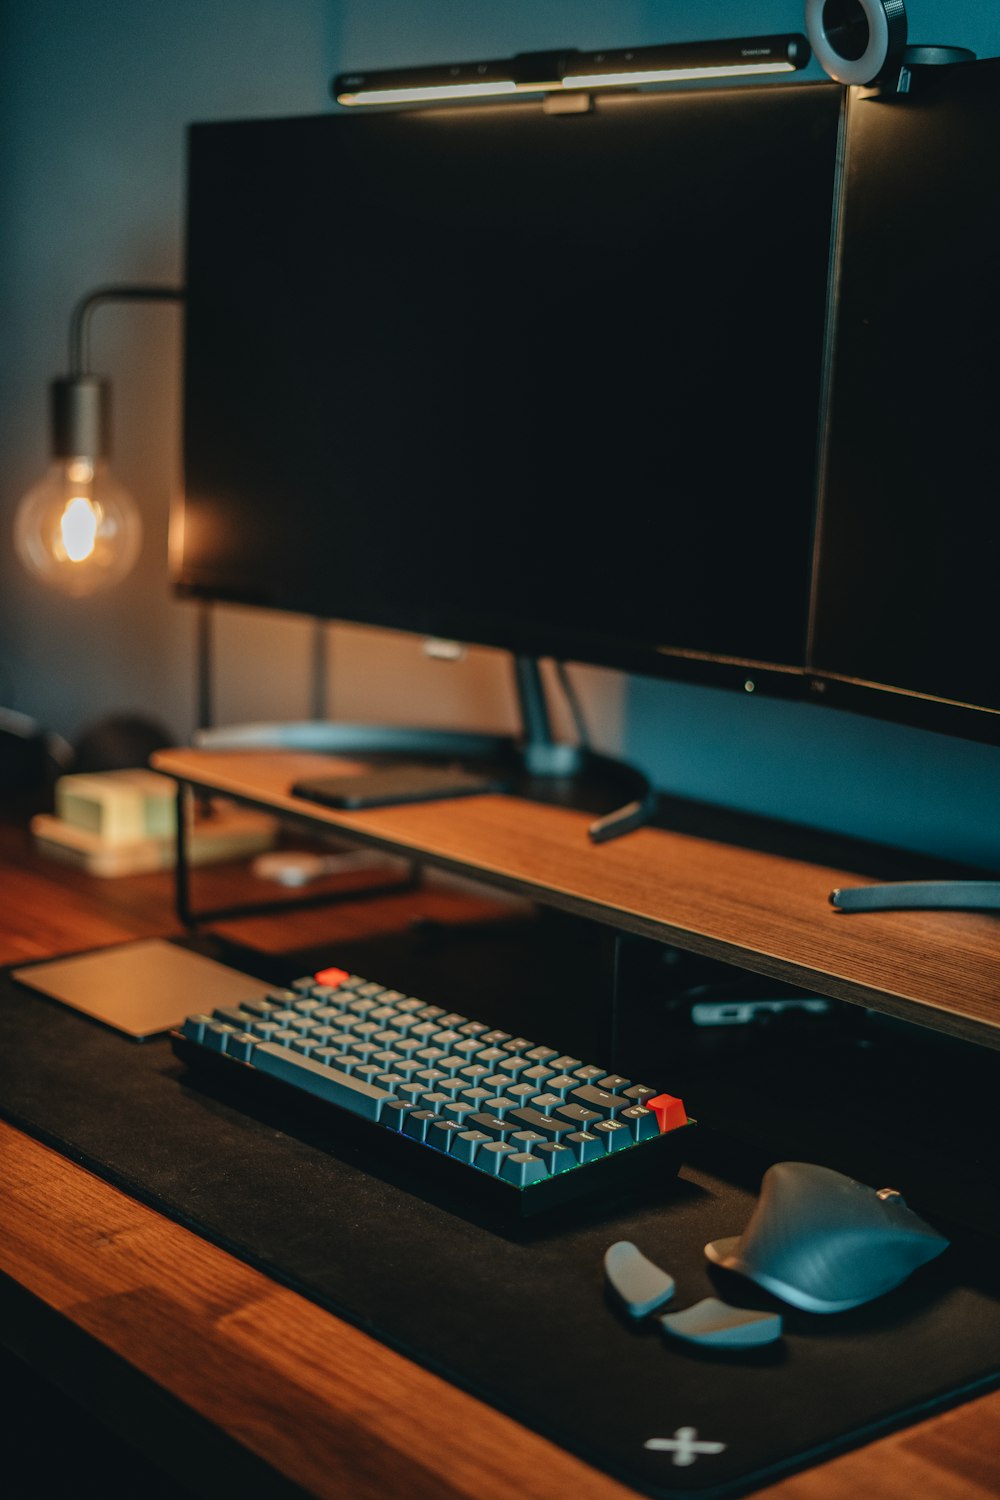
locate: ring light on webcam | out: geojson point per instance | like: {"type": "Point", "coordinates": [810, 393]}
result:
{"type": "Point", "coordinates": [856, 41]}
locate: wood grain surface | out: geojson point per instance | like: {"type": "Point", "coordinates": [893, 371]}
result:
{"type": "Point", "coordinates": [316, 1399]}
{"type": "Point", "coordinates": [759, 910]}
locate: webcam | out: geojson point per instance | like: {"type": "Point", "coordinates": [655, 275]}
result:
{"type": "Point", "coordinates": [865, 42]}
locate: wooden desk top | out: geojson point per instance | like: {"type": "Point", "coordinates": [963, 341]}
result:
{"type": "Point", "coordinates": [321, 1402]}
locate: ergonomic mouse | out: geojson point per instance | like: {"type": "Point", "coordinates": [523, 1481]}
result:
{"type": "Point", "coordinates": [825, 1243]}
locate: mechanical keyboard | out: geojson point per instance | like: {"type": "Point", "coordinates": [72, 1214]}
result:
{"type": "Point", "coordinates": [523, 1125]}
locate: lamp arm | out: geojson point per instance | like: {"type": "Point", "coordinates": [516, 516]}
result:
{"type": "Point", "coordinates": [79, 323]}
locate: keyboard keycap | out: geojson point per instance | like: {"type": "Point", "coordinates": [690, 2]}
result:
{"type": "Point", "coordinates": [616, 1133]}
{"type": "Point", "coordinates": [490, 1156]}
{"type": "Point", "coordinates": [465, 1145]}
{"type": "Point", "coordinates": [522, 1169]}
{"type": "Point", "coordinates": [355, 1095]}
{"type": "Point", "coordinates": [602, 1100]}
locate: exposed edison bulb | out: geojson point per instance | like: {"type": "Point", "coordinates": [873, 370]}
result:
{"type": "Point", "coordinates": [79, 529]}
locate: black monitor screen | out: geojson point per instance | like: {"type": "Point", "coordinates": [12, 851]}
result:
{"type": "Point", "coordinates": [545, 382]}
{"type": "Point", "coordinates": [906, 607]}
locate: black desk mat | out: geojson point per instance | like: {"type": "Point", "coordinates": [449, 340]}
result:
{"type": "Point", "coordinates": [520, 1317]}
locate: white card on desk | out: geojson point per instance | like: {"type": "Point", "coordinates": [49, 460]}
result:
{"type": "Point", "coordinates": [140, 988]}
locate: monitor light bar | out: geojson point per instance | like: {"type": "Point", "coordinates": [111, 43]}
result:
{"type": "Point", "coordinates": [552, 72]}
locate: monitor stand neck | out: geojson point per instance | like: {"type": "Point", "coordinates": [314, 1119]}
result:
{"type": "Point", "coordinates": [543, 756]}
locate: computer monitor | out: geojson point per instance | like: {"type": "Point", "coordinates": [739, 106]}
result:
{"type": "Point", "coordinates": [905, 608]}
{"type": "Point", "coordinates": [571, 384]}
{"type": "Point", "coordinates": [546, 382]}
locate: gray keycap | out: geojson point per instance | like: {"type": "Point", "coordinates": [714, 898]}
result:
{"type": "Point", "coordinates": [216, 1035]}
{"type": "Point", "coordinates": [467, 1143]}
{"type": "Point", "coordinates": [580, 1117]}
{"type": "Point", "coordinates": [561, 1084]}
{"type": "Point", "coordinates": [418, 1122]}
{"type": "Point", "coordinates": [522, 1169]}
{"type": "Point", "coordinates": [557, 1157]}
{"type": "Point", "coordinates": [500, 1106]}
{"type": "Point", "coordinates": [641, 1122]}
{"type": "Point", "coordinates": [496, 1129]}
{"type": "Point", "coordinates": [353, 1094]}
{"type": "Point", "coordinates": [467, 1048]}
{"type": "Point", "coordinates": [616, 1133]}
{"type": "Point", "coordinates": [232, 1016]}
{"type": "Point", "coordinates": [458, 1111]}
{"type": "Point", "coordinates": [440, 1133]}
{"type": "Point", "coordinates": [284, 1035]}
{"type": "Point", "coordinates": [490, 1156]}
{"type": "Point", "coordinates": [638, 1284]}
{"type": "Point", "coordinates": [549, 1126]}
{"type": "Point", "coordinates": [546, 1102]}
{"type": "Point", "coordinates": [283, 997]}
{"type": "Point", "coordinates": [394, 1113]}
{"type": "Point", "coordinates": [585, 1146]}
{"type": "Point", "coordinates": [240, 1045]}
{"type": "Point", "coordinates": [602, 1100]}
{"type": "Point", "coordinates": [435, 1101]}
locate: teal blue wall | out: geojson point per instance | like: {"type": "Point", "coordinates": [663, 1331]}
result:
{"type": "Point", "coordinates": [94, 99]}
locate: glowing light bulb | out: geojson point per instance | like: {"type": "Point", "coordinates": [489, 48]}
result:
{"type": "Point", "coordinates": [78, 530]}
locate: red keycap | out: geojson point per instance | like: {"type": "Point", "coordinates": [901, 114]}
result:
{"type": "Point", "coordinates": [670, 1112]}
{"type": "Point", "coordinates": [332, 977]}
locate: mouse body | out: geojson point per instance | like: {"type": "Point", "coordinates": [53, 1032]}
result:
{"type": "Point", "coordinates": [825, 1243]}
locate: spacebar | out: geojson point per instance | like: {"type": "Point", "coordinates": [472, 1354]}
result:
{"type": "Point", "coordinates": [316, 1078]}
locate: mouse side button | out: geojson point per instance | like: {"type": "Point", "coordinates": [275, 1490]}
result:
{"type": "Point", "coordinates": [639, 1285]}
{"type": "Point", "coordinates": [715, 1324]}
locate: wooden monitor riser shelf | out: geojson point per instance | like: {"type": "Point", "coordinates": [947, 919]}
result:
{"type": "Point", "coordinates": [759, 911]}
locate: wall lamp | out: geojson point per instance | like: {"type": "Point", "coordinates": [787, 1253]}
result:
{"type": "Point", "coordinates": [78, 529]}
{"type": "Point", "coordinates": [551, 72]}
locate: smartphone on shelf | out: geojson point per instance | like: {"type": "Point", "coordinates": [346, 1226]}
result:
{"type": "Point", "coordinates": [388, 786]}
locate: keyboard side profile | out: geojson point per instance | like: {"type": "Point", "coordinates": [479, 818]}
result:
{"type": "Point", "coordinates": [523, 1126]}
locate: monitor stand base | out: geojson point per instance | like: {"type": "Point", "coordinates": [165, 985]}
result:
{"type": "Point", "coordinates": [920, 895]}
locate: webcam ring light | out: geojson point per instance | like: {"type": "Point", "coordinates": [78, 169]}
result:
{"type": "Point", "coordinates": [856, 41]}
